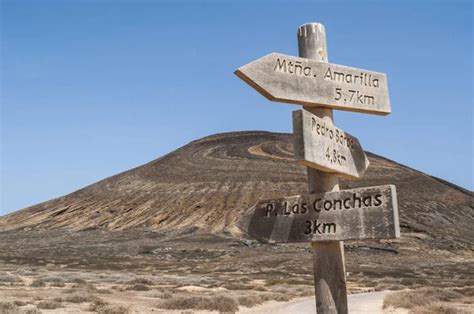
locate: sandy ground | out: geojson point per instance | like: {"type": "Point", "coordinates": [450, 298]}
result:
{"type": "Point", "coordinates": [147, 272]}
{"type": "Point", "coordinates": [361, 303]}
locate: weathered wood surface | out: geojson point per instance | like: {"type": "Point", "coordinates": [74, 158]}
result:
{"type": "Point", "coordinates": [329, 277]}
{"type": "Point", "coordinates": [332, 297]}
{"type": "Point", "coordinates": [365, 213]}
{"type": "Point", "coordinates": [307, 82]}
{"type": "Point", "coordinates": [318, 144]}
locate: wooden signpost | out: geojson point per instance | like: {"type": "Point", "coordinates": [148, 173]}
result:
{"type": "Point", "coordinates": [326, 216]}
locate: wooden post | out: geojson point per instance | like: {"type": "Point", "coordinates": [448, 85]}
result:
{"type": "Point", "coordinates": [328, 257]}
{"type": "Point", "coordinates": [308, 80]}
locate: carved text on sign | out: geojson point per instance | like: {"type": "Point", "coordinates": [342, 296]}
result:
{"type": "Point", "coordinates": [364, 213]}
{"type": "Point", "coordinates": [320, 145]}
{"type": "Point", "coordinates": [307, 82]}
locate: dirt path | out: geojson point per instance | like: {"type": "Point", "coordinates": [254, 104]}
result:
{"type": "Point", "coordinates": [361, 303]}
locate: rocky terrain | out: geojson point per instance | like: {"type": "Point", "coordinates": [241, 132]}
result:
{"type": "Point", "coordinates": [163, 236]}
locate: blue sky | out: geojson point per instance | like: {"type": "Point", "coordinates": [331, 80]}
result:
{"type": "Point", "coordinates": [93, 88]}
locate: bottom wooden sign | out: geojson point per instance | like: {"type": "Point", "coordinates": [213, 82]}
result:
{"type": "Point", "coordinates": [364, 213]}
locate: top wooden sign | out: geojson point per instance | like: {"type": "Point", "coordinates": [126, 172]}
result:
{"type": "Point", "coordinates": [306, 82]}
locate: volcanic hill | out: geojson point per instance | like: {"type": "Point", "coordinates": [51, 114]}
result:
{"type": "Point", "coordinates": [211, 182]}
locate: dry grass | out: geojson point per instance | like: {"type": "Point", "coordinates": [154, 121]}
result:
{"type": "Point", "coordinates": [80, 298]}
{"type": "Point", "coordinates": [138, 287]}
{"type": "Point", "coordinates": [235, 286]}
{"type": "Point", "coordinates": [26, 272]}
{"type": "Point", "coordinates": [166, 295]}
{"type": "Point", "coordinates": [304, 291]}
{"type": "Point", "coordinates": [77, 280]}
{"type": "Point", "coordinates": [466, 291]}
{"type": "Point", "coordinates": [114, 310]}
{"type": "Point", "coordinates": [388, 286]}
{"type": "Point", "coordinates": [437, 308]}
{"type": "Point", "coordinates": [54, 281]}
{"type": "Point", "coordinates": [8, 308]}
{"type": "Point", "coordinates": [218, 303]}
{"type": "Point", "coordinates": [49, 305]}
{"type": "Point", "coordinates": [37, 283]}
{"type": "Point", "coordinates": [9, 279]}
{"type": "Point", "coordinates": [140, 281]}
{"type": "Point", "coordinates": [419, 298]}
{"type": "Point", "coordinates": [250, 301]}
{"type": "Point", "coordinates": [102, 307]}
{"type": "Point", "coordinates": [97, 305]}
{"type": "Point", "coordinates": [280, 297]}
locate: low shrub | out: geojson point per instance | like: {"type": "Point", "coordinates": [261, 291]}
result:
{"type": "Point", "coordinates": [138, 287]}
{"type": "Point", "coordinates": [48, 305]}
{"type": "Point", "coordinates": [250, 301]}
{"type": "Point", "coordinates": [31, 311]}
{"type": "Point", "coordinates": [97, 305]}
{"type": "Point", "coordinates": [280, 297]}
{"type": "Point", "coordinates": [141, 281]}
{"type": "Point", "coordinates": [419, 298]}
{"type": "Point", "coordinates": [441, 294]}
{"type": "Point", "coordinates": [388, 286]}
{"type": "Point", "coordinates": [437, 308]}
{"type": "Point", "coordinates": [405, 299]}
{"type": "Point", "coordinates": [218, 303]}
{"type": "Point", "coordinates": [80, 298]}
{"type": "Point", "coordinates": [37, 283]}
{"type": "Point", "coordinates": [59, 284]}
{"type": "Point", "coordinates": [5, 278]}
{"type": "Point", "coordinates": [465, 291]}
{"type": "Point", "coordinates": [26, 272]}
{"type": "Point", "coordinates": [8, 308]}
{"type": "Point", "coordinates": [166, 295]}
{"type": "Point", "coordinates": [77, 280]}
{"type": "Point", "coordinates": [235, 286]}
{"type": "Point", "coordinates": [113, 310]}
{"type": "Point", "coordinates": [54, 281]}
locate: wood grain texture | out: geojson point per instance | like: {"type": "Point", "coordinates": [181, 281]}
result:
{"type": "Point", "coordinates": [312, 45]}
{"type": "Point", "coordinates": [294, 80]}
{"type": "Point", "coordinates": [318, 144]}
{"type": "Point", "coordinates": [327, 255]}
{"type": "Point", "coordinates": [364, 213]}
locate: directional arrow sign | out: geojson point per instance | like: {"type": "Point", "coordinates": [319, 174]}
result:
{"type": "Point", "coordinates": [365, 213]}
{"type": "Point", "coordinates": [318, 144]}
{"type": "Point", "coordinates": [307, 82]}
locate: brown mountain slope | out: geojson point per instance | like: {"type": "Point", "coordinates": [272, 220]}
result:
{"type": "Point", "coordinates": [211, 182]}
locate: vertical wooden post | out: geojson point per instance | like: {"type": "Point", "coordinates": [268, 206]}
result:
{"type": "Point", "coordinates": [328, 257]}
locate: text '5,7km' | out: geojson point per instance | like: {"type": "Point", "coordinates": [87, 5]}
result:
{"type": "Point", "coordinates": [295, 80]}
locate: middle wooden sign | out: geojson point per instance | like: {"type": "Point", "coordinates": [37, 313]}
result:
{"type": "Point", "coordinates": [318, 144]}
